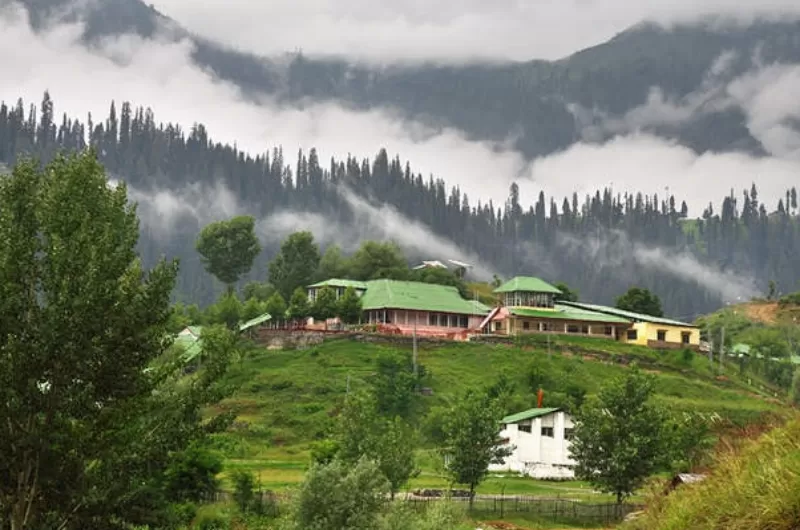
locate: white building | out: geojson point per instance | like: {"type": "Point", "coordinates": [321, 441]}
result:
{"type": "Point", "coordinates": [541, 440]}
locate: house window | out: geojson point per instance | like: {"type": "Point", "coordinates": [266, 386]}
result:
{"type": "Point", "coordinates": [524, 427]}
{"type": "Point", "coordinates": [498, 326]}
{"type": "Point", "coordinates": [546, 326]}
{"type": "Point", "coordinates": [547, 431]}
{"type": "Point", "coordinates": [632, 334]}
{"type": "Point", "coordinates": [568, 434]}
{"type": "Point", "coordinates": [609, 330]}
{"type": "Point", "coordinates": [661, 335]}
{"type": "Point", "coordinates": [585, 330]}
{"type": "Point", "coordinates": [526, 325]}
{"type": "Point", "coordinates": [572, 328]}
{"type": "Point", "coordinates": [685, 336]}
{"type": "Point", "coordinates": [463, 322]}
{"type": "Point", "coordinates": [432, 319]}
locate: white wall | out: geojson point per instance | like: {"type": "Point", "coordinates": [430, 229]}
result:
{"type": "Point", "coordinates": [536, 455]}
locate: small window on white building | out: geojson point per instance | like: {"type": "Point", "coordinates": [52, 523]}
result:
{"type": "Point", "coordinates": [547, 431]}
{"type": "Point", "coordinates": [568, 434]}
{"type": "Point", "coordinates": [524, 427]}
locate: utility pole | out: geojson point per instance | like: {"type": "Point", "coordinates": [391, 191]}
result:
{"type": "Point", "coordinates": [721, 348]}
{"type": "Point", "coordinates": [347, 391]}
{"type": "Point", "coordinates": [711, 351]}
{"type": "Point", "coordinates": [414, 353]}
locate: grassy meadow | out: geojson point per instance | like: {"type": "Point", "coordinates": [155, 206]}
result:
{"type": "Point", "coordinates": [286, 399]}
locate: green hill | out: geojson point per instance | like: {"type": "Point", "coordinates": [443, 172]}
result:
{"type": "Point", "coordinates": [757, 489]}
{"type": "Point", "coordinates": [286, 399]}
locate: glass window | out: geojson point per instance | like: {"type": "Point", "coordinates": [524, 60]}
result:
{"type": "Point", "coordinates": [632, 334]}
{"type": "Point", "coordinates": [661, 335]}
{"type": "Point", "coordinates": [547, 431]}
{"type": "Point", "coordinates": [685, 336]}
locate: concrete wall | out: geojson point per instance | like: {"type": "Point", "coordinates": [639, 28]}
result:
{"type": "Point", "coordinates": [536, 455]}
{"type": "Point", "coordinates": [647, 335]}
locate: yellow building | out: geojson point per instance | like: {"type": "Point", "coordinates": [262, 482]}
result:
{"type": "Point", "coordinates": [646, 330]}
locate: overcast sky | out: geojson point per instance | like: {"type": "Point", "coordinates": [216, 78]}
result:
{"type": "Point", "coordinates": [385, 30]}
{"type": "Point", "coordinates": [161, 76]}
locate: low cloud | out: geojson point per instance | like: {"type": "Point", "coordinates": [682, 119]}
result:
{"type": "Point", "coordinates": [447, 30]}
{"type": "Point", "coordinates": [161, 75]}
{"type": "Point", "coordinates": [624, 257]}
{"type": "Point", "coordinates": [372, 222]}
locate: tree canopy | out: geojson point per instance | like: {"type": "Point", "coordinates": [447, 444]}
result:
{"type": "Point", "coordinates": [228, 248]}
{"type": "Point", "coordinates": [93, 418]}
{"type": "Point", "coordinates": [640, 300]}
{"type": "Point", "coordinates": [295, 265]}
{"type": "Point", "coordinates": [620, 437]}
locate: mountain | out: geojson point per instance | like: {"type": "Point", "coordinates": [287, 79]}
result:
{"type": "Point", "coordinates": [532, 102]}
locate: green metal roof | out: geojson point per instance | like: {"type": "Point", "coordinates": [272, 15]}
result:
{"type": "Point", "coordinates": [337, 282]}
{"type": "Point", "coordinates": [192, 346]}
{"type": "Point", "coordinates": [528, 414]}
{"type": "Point", "coordinates": [419, 296]}
{"type": "Point", "coordinates": [527, 284]}
{"type": "Point", "coordinates": [260, 319]}
{"type": "Point", "coordinates": [568, 313]}
{"type": "Point", "coordinates": [630, 315]}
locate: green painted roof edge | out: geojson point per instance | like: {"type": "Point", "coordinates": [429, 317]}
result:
{"type": "Point", "coordinates": [588, 316]}
{"type": "Point", "coordinates": [529, 414]}
{"type": "Point", "coordinates": [629, 314]}
{"type": "Point", "coordinates": [260, 319]}
{"type": "Point", "coordinates": [340, 282]}
{"type": "Point", "coordinates": [527, 283]}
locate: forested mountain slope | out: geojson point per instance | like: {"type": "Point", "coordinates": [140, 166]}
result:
{"type": "Point", "coordinates": [541, 105]}
{"type": "Point", "coordinates": [600, 244]}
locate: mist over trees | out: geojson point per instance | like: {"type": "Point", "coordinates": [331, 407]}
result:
{"type": "Point", "coordinates": [560, 239]}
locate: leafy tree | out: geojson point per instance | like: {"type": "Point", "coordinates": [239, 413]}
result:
{"type": "Point", "coordinates": [395, 384]}
{"type": "Point", "coordinates": [228, 310]}
{"type": "Point", "coordinates": [640, 300]}
{"type": "Point", "coordinates": [794, 392]}
{"type": "Point", "coordinates": [253, 308]}
{"type": "Point", "coordinates": [374, 260]}
{"type": "Point", "coordinates": [261, 291]}
{"type": "Point", "coordinates": [228, 248]}
{"type": "Point", "coordinates": [191, 475]}
{"type": "Point", "coordinates": [340, 496]}
{"type": "Point", "coordinates": [349, 307]}
{"type": "Point", "coordinates": [276, 307]}
{"type": "Point", "coordinates": [567, 294]}
{"type": "Point", "coordinates": [325, 304]}
{"type": "Point", "coordinates": [395, 456]}
{"type": "Point", "coordinates": [295, 264]}
{"type": "Point", "coordinates": [333, 264]}
{"type": "Point", "coordinates": [298, 304]}
{"type": "Point", "coordinates": [472, 439]}
{"type": "Point", "coordinates": [244, 485]}
{"type": "Point", "coordinates": [390, 442]}
{"type": "Point", "coordinates": [88, 432]}
{"type": "Point", "coordinates": [619, 437]}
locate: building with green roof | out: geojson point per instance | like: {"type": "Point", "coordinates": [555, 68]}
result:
{"type": "Point", "coordinates": [527, 291]}
{"type": "Point", "coordinates": [647, 330]}
{"type": "Point", "coordinates": [540, 440]}
{"type": "Point", "coordinates": [412, 307]}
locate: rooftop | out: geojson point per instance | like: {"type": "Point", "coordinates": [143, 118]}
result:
{"type": "Point", "coordinates": [260, 319]}
{"type": "Point", "coordinates": [528, 414]}
{"type": "Point", "coordinates": [563, 312]}
{"type": "Point", "coordinates": [527, 284]}
{"type": "Point", "coordinates": [630, 315]}
{"type": "Point", "coordinates": [338, 282]}
{"type": "Point", "coordinates": [418, 296]}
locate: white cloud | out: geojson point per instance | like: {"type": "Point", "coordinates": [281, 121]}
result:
{"type": "Point", "coordinates": [161, 75]}
{"type": "Point", "coordinates": [641, 162]}
{"type": "Point", "coordinates": [445, 30]}
{"type": "Point", "coordinates": [624, 257]}
{"type": "Point", "coordinates": [372, 222]}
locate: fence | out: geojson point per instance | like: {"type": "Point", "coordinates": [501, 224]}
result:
{"type": "Point", "coordinates": [562, 511]}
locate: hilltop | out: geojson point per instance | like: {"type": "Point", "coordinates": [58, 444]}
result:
{"type": "Point", "coordinates": [286, 399]}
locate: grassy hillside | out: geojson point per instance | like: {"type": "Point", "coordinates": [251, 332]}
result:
{"type": "Point", "coordinates": [757, 489]}
{"type": "Point", "coordinates": [286, 399]}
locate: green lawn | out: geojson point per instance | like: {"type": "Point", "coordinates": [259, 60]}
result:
{"type": "Point", "coordinates": [287, 398]}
